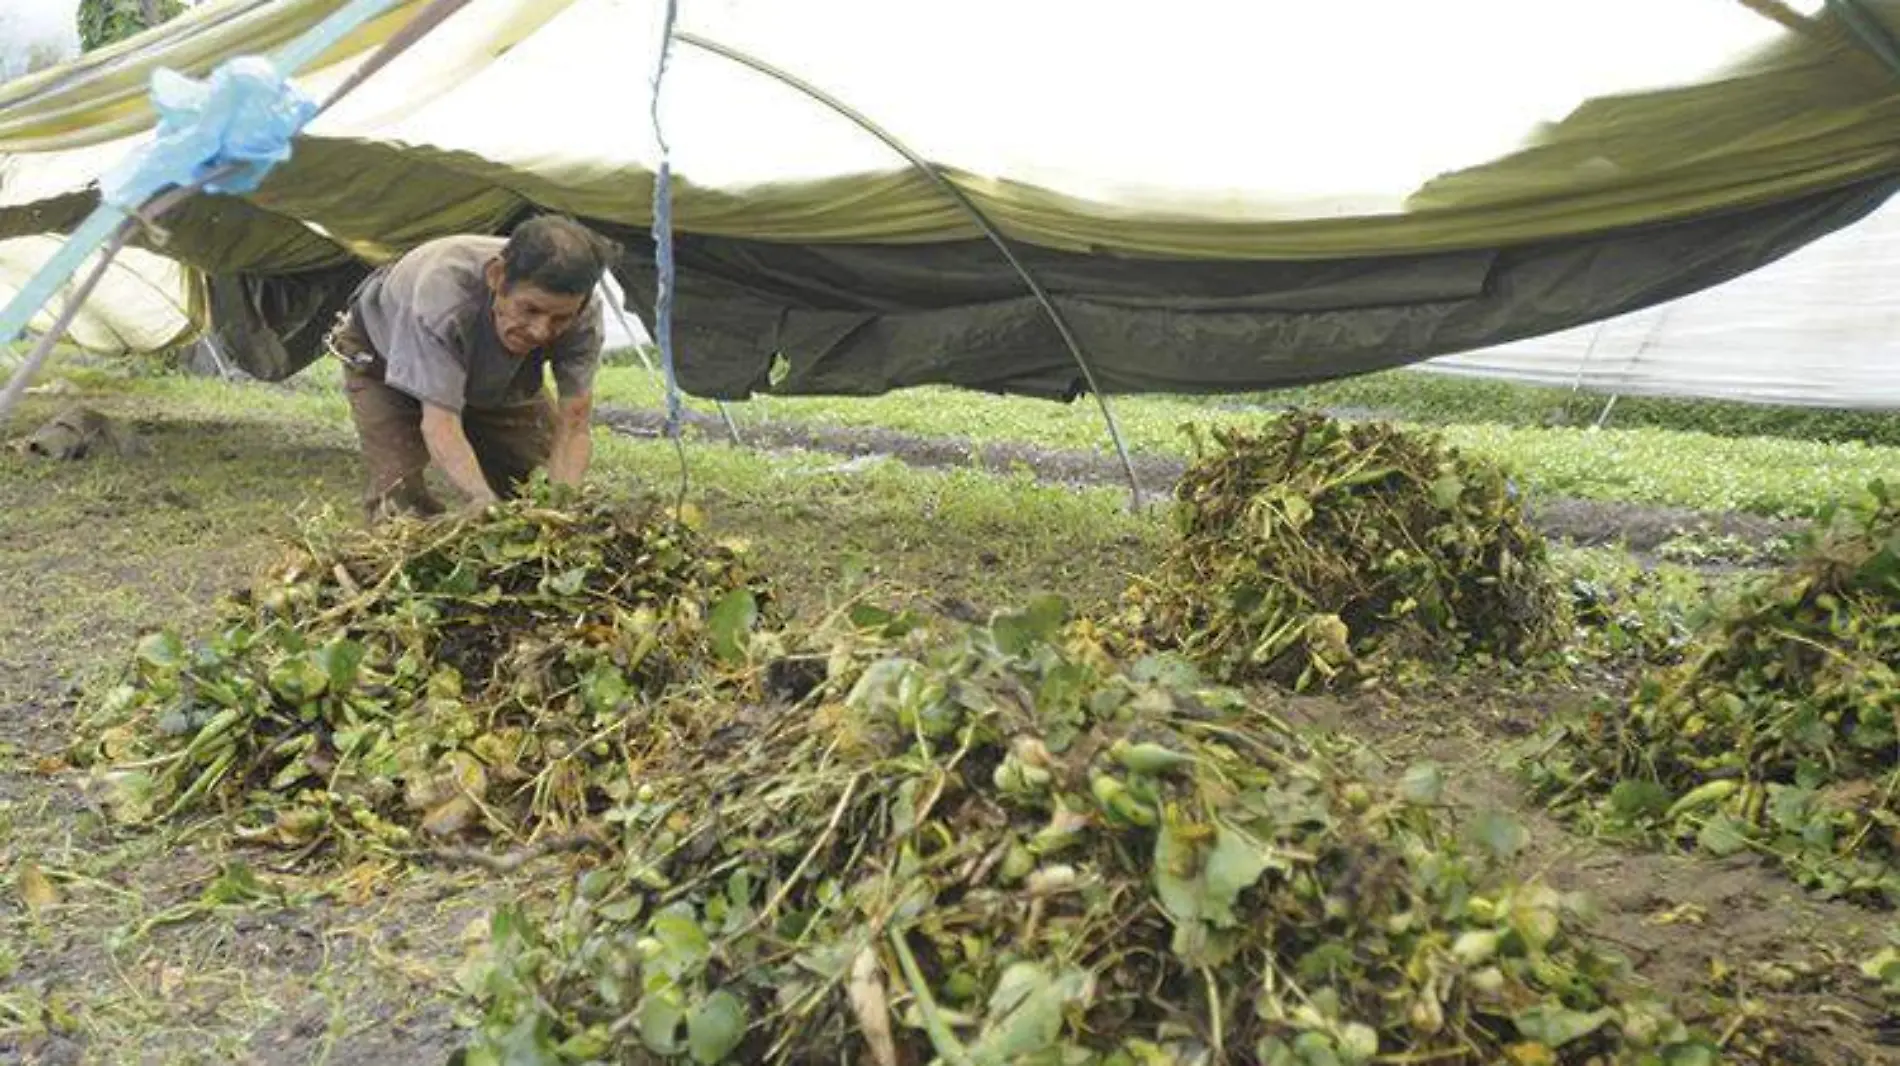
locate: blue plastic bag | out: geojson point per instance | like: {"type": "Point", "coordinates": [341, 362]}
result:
{"type": "Point", "coordinates": [246, 112]}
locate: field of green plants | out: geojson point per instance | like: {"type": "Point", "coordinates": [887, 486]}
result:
{"type": "Point", "coordinates": [1446, 730]}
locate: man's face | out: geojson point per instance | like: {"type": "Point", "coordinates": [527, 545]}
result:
{"type": "Point", "coordinates": [527, 316]}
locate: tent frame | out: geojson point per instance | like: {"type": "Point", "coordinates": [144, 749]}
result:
{"type": "Point", "coordinates": [982, 221]}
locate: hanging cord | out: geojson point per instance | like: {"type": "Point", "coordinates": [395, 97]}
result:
{"type": "Point", "coordinates": [982, 221]}
{"type": "Point", "coordinates": [663, 258]}
{"type": "Point", "coordinates": [732, 428]}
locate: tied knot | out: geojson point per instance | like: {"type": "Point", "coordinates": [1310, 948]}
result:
{"type": "Point", "coordinates": [245, 113]}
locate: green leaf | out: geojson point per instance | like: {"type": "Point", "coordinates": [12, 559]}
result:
{"type": "Point", "coordinates": [885, 622]}
{"type": "Point", "coordinates": [1423, 784]}
{"type": "Point", "coordinates": [339, 660]}
{"type": "Point", "coordinates": [163, 650]}
{"type": "Point", "coordinates": [461, 581]}
{"type": "Point", "coordinates": [1638, 800]}
{"type": "Point", "coordinates": [1299, 510]}
{"type": "Point", "coordinates": [237, 884]}
{"type": "Point", "coordinates": [1497, 833]}
{"type": "Point", "coordinates": [1883, 966]}
{"type": "Point", "coordinates": [738, 899]}
{"type": "Point", "coordinates": [1167, 669]}
{"type": "Point", "coordinates": [1791, 808]}
{"type": "Point", "coordinates": [1723, 835]}
{"type": "Point", "coordinates": [1316, 1049]}
{"type": "Point", "coordinates": [1199, 891]}
{"type": "Point", "coordinates": [683, 944]}
{"type": "Point", "coordinates": [1236, 862]}
{"type": "Point", "coordinates": [1026, 1012]}
{"type": "Point", "coordinates": [716, 1027]}
{"type": "Point", "coordinates": [731, 623]}
{"type": "Point", "coordinates": [1536, 917]}
{"type": "Point", "coordinates": [589, 1045]}
{"type": "Point", "coordinates": [620, 910]}
{"type": "Point", "coordinates": [1358, 1042]}
{"type": "Point", "coordinates": [1017, 632]}
{"type": "Point", "coordinates": [1270, 1051]}
{"type": "Point", "coordinates": [603, 688]}
{"type": "Point", "coordinates": [528, 1042]}
{"type": "Point", "coordinates": [1177, 873]}
{"type": "Point", "coordinates": [131, 797]}
{"type": "Point", "coordinates": [1882, 567]}
{"type": "Point", "coordinates": [890, 688]}
{"type": "Point", "coordinates": [1446, 490]}
{"type": "Point", "coordinates": [299, 679]}
{"type": "Point", "coordinates": [568, 582]}
{"type": "Point", "coordinates": [352, 741]}
{"type": "Point", "coordinates": [1697, 1054]}
{"type": "Point", "coordinates": [1548, 1023]}
{"type": "Point", "coordinates": [659, 1016]}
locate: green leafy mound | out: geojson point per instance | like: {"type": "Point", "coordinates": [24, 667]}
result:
{"type": "Point", "coordinates": [1313, 550]}
{"type": "Point", "coordinates": [464, 676]}
{"type": "Point", "coordinates": [1778, 730]}
{"type": "Point", "coordinates": [1000, 845]}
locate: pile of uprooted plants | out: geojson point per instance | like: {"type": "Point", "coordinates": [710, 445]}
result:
{"type": "Point", "coordinates": [869, 839]}
{"type": "Point", "coordinates": [1312, 551]}
{"type": "Point", "coordinates": [998, 844]}
{"type": "Point", "coordinates": [1778, 731]}
{"type": "Point", "coordinates": [491, 675]}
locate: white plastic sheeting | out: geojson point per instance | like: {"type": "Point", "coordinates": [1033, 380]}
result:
{"type": "Point", "coordinates": [1273, 109]}
{"type": "Point", "coordinates": [1820, 328]}
{"type": "Point", "coordinates": [139, 305]}
{"type": "Point", "coordinates": [1205, 109]}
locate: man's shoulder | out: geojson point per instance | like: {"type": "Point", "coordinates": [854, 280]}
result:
{"type": "Point", "coordinates": [440, 282]}
{"type": "Point", "coordinates": [457, 252]}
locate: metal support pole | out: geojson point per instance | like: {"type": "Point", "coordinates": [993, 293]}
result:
{"type": "Point", "coordinates": [1604, 416]}
{"type": "Point", "coordinates": [969, 207]}
{"type": "Point", "coordinates": [606, 297]}
{"type": "Point", "coordinates": [147, 215]}
{"type": "Point", "coordinates": [1780, 13]}
{"type": "Point", "coordinates": [22, 377]}
{"type": "Point", "coordinates": [732, 428]}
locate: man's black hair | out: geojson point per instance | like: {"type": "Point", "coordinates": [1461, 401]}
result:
{"type": "Point", "coordinates": [558, 254]}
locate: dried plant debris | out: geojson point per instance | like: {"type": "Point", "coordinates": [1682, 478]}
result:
{"type": "Point", "coordinates": [1312, 551]}
{"type": "Point", "coordinates": [1777, 732]}
{"type": "Point", "coordinates": [1000, 844]}
{"type": "Point", "coordinates": [471, 676]}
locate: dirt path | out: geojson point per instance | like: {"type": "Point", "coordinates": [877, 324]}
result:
{"type": "Point", "coordinates": [1640, 527]}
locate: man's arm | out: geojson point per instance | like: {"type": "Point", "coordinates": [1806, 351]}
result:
{"type": "Point", "coordinates": [573, 440]}
{"type": "Point", "coordinates": [449, 447]}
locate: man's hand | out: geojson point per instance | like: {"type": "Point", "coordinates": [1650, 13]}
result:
{"type": "Point", "coordinates": [449, 447]}
{"type": "Point", "coordinates": [573, 440]}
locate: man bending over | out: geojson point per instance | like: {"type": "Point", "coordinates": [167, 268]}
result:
{"type": "Point", "coordinates": [446, 352]}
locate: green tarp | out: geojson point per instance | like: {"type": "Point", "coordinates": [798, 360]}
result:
{"type": "Point", "coordinates": [865, 278]}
